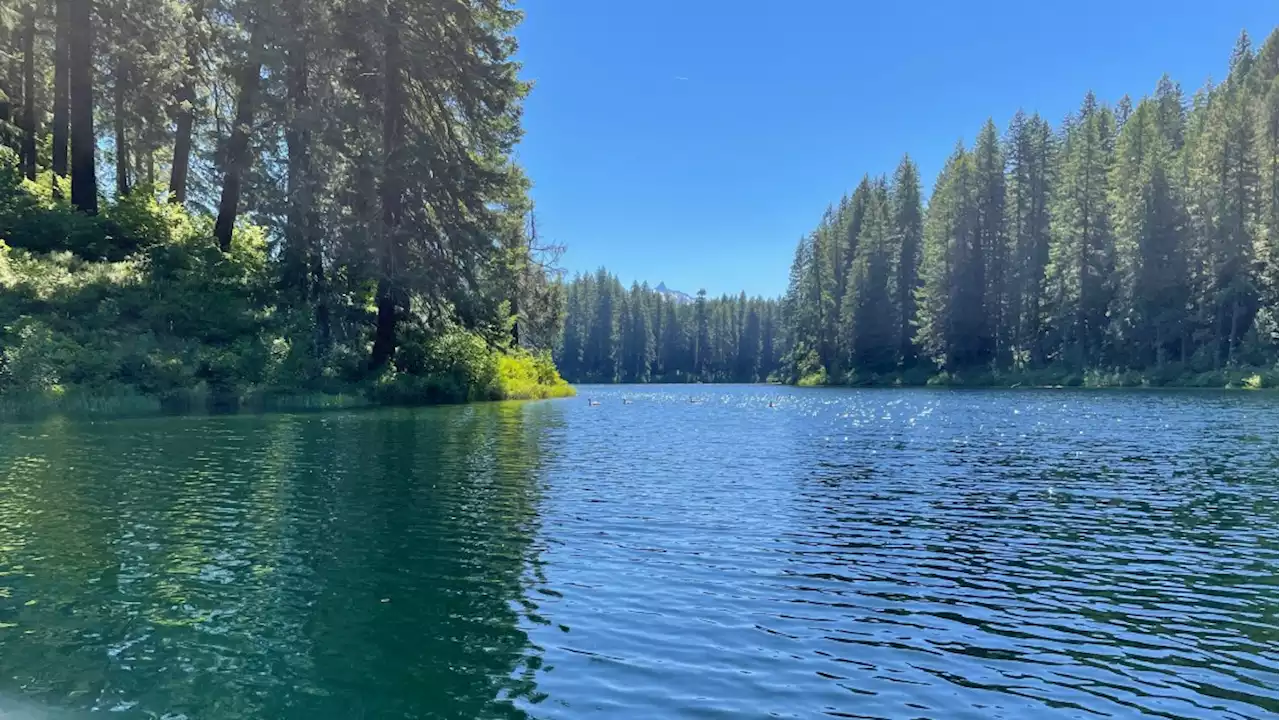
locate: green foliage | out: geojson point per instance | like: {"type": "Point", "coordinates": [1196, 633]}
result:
{"type": "Point", "coordinates": [456, 366]}
{"type": "Point", "coordinates": [180, 324]}
{"type": "Point", "coordinates": [813, 379]}
{"type": "Point", "coordinates": [528, 376]}
{"type": "Point", "coordinates": [1131, 247]}
{"type": "Point", "coordinates": [644, 335]}
{"type": "Point", "coordinates": [374, 236]}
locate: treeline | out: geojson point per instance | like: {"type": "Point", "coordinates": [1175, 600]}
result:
{"type": "Point", "coordinates": [1138, 239]}
{"type": "Point", "coordinates": [614, 335]}
{"type": "Point", "coordinates": [364, 145]}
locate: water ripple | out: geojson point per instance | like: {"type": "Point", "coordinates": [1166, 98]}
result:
{"type": "Point", "coordinates": [694, 553]}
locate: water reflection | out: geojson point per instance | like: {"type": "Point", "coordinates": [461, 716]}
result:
{"type": "Point", "coordinates": [274, 566]}
{"type": "Point", "coordinates": [883, 554]}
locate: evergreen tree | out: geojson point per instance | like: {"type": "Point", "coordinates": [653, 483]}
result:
{"type": "Point", "coordinates": [637, 343]}
{"type": "Point", "coordinates": [908, 228]}
{"type": "Point", "coordinates": [1150, 295]}
{"type": "Point", "coordinates": [1142, 238]}
{"type": "Point", "coordinates": [749, 361]}
{"type": "Point", "coordinates": [599, 357]}
{"type": "Point", "coordinates": [702, 348]}
{"type": "Point", "coordinates": [1081, 257]}
{"type": "Point", "coordinates": [945, 326]}
{"type": "Point", "coordinates": [674, 345]}
{"type": "Point", "coordinates": [1029, 159]}
{"type": "Point", "coordinates": [988, 269]}
{"type": "Point", "coordinates": [84, 179]}
{"type": "Point", "coordinates": [1266, 96]}
{"type": "Point", "coordinates": [1224, 168]}
{"type": "Point", "coordinates": [868, 320]}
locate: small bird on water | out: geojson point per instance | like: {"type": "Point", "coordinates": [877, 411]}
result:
{"type": "Point", "coordinates": [592, 403]}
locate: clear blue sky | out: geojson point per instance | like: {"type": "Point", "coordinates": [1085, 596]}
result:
{"type": "Point", "coordinates": [694, 141]}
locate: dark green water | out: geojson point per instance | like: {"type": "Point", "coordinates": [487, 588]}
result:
{"type": "Point", "coordinates": [875, 553]}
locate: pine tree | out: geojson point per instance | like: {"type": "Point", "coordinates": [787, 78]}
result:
{"type": "Point", "coordinates": [569, 356]}
{"type": "Point", "coordinates": [186, 101]}
{"type": "Point", "coordinates": [943, 327]}
{"type": "Point", "coordinates": [238, 157]}
{"type": "Point", "coordinates": [749, 363]}
{"type": "Point", "coordinates": [989, 267]}
{"type": "Point", "coordinates": [1080, 264]}
{"type": "Point", "coordinates": [674, 345]}
{"type": "Point", "coordinates": [702, 348]}
{"type": "Point", "coordinates": [1266, 235]}
{"type": "Point", "coordinates": [61, 105]}
{"type": "Point", "coordinates": [868, 320]}
{"type": "Point", "coordinates": [1029, 159]}
{"type": "Point", "coordinates": [1224, 169]}
{"type": "Point", "coordinates": [637, 342]}
{"type": "Point", "coordinates": [846, 230]}
{"type": "Point", "coordinates": [28, 122]}
{"type": "Point", "coordinates": [1146, 314]}
{"type": "Point", "coordinates": [907, 228]}
{"type": "Point", "coordinates": [969, 337]}
{"type": "Point", "coordinates": [84, 180]}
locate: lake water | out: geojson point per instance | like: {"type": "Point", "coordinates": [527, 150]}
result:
{"type": "Point", "coordinates": [847, 553]}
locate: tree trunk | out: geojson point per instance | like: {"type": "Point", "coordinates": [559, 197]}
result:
{"type": "Point", "coordinates": [320, 291]}
{"type": "Point", "coordinates": [139, 153]}
{"type": "Point", "coordinates": [297, 250]}
{"type": "Point", "coordinates": [1233, 342]}
{"type": "Point", "coordinates": [384, 336]}
{"type": "Point", "coordinates": [122, 143]}
{"type": "Point", "coordinates": [84, 183]}
{"type": "Point", "coordinates": [384, 340]}
{"type": "Point", "coordinates": [60, 102]}
{"type": "Point", "coordinates": [29, 91]}
{"type": "Point", "coordinates": [6, 95]}
{"type": "Point", "coordinates": [238, 145]}
{"type": "Point", "coordinates": [185, 99]}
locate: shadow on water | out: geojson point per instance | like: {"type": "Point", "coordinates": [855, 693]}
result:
{"type": "Point", "coordinates": [354, 565]}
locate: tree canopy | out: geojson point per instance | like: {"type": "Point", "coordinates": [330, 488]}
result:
{"type": "Point", "coordinates": [368, 144]}
{"type": "Point", "coordinates": [1135, 239]}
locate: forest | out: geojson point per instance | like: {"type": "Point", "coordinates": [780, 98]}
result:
{"type": "Point", "coordinates": [1131, 244]}
{"type": "Point", "coordinates": [224, 201]}
{"type": "Point", "coordinates": [228, 199]}
{"type": "Point", "coordinates": [612, 335]}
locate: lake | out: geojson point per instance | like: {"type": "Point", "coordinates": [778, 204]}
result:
{"type": "Point", "coordinates": [693, 552]}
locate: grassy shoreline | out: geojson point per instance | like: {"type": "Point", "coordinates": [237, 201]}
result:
{"type": "Point", "coordinates": [166, 321]}
{"type": "Point", "coordinates": [123, 402]}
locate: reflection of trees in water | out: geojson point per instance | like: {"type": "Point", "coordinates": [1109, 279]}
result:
{"type": "Point", "coordinates": [58, 566]}
{"type": "Point", "coordinates": [332, 565]}
{"type": "Point", "coordinates": [440, 529]}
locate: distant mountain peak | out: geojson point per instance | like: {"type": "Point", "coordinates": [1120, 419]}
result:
{"type": "Point", "coordinates": [673, 295]}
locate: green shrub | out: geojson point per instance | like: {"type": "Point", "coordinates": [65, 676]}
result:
{"type": "Point", "coordinates": [814, 379]}
{"type": "Point", "coordinates": [524, 376]}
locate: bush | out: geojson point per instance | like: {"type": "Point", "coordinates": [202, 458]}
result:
{"type": "Point", "coordinates": [814, 379]}
{"type": "Point", "coordinates": [524, 376]}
